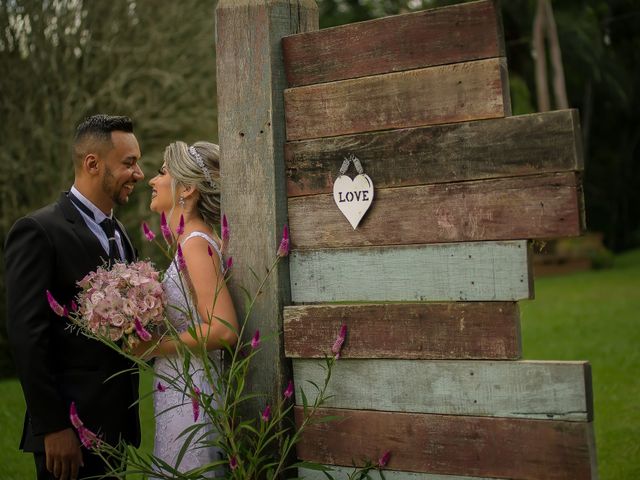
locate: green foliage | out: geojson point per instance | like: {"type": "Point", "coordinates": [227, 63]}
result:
{"type": "Point", "coordinates": [520, 95]}
{"type": "Point", "coordinates": [340, 12]}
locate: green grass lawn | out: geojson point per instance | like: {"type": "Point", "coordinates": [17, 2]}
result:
{"type": "Point", "coordinates": [591, 316]}
{"type": "Point", "coordinates": [595, 316]}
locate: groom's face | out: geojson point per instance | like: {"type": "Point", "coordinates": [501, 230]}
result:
{"type": "Point", "coordinates": [121, 170]}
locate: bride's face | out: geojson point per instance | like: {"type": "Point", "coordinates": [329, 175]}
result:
{"type": "Point", "coordinates": [161, 198]}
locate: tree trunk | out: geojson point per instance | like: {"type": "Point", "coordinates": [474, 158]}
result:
{"type": "Point", "coordinates": [540, 58]}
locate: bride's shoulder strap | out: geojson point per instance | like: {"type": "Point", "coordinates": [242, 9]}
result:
{"type": "Point", "coordinates": [207, 237]}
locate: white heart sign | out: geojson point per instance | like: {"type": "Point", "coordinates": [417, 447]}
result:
{"type": "Point", "coordinates": [353, 197]}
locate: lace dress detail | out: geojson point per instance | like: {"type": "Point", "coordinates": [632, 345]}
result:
{"type": "Point", "coordinates": [172, 407]}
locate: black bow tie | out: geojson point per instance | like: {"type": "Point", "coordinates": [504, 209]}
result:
{"type": "Point", "coordinates": [108, 225]}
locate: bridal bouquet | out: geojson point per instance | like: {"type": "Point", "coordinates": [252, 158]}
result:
{"type": "Point", "coordinates": [124, 302]}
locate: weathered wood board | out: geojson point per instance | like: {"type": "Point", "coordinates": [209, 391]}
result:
{"type": "Point", "coordinates": [504, 147]}
{"type": "Point", "coordinates": [522, 389]}
{"type": "Point", "coordinates": [444, 94]}
{"type": "Point", "coordinates": [432, 37]}
{"type": "Point", "coordinates": [458, 330]}
{"type": "Point", "coordinates": [342, 473]}
{"type": "Point", "coordinates": [537, 206]}
{"type": "Point", "coordinates": [454, 444]}
{"type": "Point", "coordinates": [250, 81]}
{"type": "Point", "coordinates": [480, 271]}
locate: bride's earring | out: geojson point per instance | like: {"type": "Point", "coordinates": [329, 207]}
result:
{"type": "Point", "coordinates": [181, 201]}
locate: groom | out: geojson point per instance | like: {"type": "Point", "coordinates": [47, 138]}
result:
{"type": "Point", "coordinates": [51, 249]}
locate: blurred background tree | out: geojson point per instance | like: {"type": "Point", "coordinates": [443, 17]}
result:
{"type": "Point", "coordinates": [153, 60]}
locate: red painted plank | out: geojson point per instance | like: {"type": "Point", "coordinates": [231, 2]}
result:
{"type": "Point", "coordinates": [445, 94]}
{"type": "Point", "coordinates": [454, 445]}
{"type": "Point", "coordinates": [461, 330]}
{"type": "Point", "coordinates": [458, 33]}
{"type": "Point", "coordinates": [537, 206]}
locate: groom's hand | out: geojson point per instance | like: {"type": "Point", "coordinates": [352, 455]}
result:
{"type": "Point", "coordinates": [64, 456]}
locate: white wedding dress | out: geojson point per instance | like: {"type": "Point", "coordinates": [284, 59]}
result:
{"type": "Point", "coordinates": [172, 404]}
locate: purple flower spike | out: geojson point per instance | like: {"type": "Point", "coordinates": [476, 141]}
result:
{"type": "Point", "coordinates": [74, 306]}
{"type": "Point", "coordinates": [283, 249]}
{"type": "Point", "coordinates": [148, 233]}
{"type": "Point", "coordinates": [87, 437]}
{"type": "Point", "coordinates": [255, 341]}
{"type": "Point", "coordinates": [289, 390]}
{"type": "Point", "coordinates": [384, 459]}
{"type": "Point", "coordinates": [142, 333]}
{"type": "Point", "coordinates": [229, 263]}
{"type": "Point", "coordinates": [233, 462]}
{"type": "Point", "coordinates": [225, 229]}
{"type": "Point", "coordinates": [55, 306]}
{"type": "Point", "coordinates": [266, 414]}
{"type": "Point", "coordinates": [337, 346]}
{"type": "Point", "coordinates": [73, 416]}
{"type": "Point", "coordinates": [161, 388]}
{"type": "Point", "coordinates": [180, 229]}
{"type": "Point", "coordinates": [182, 265]}
{"type": "Point", "coordinates": [164, 228]}
{"type": "Point", "coordinates": [195, 403]}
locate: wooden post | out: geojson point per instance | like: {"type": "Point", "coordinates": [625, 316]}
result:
{"type": "Point", "coordinates": [251, 80]}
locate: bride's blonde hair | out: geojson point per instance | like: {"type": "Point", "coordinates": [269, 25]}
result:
{"type": "Point", "coordinates": [197, 165]}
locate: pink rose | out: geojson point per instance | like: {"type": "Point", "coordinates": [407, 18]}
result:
{"type": "Point", "coordinates": [117, 320]}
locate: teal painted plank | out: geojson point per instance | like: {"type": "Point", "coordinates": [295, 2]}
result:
{"type": "Point", "coordinates": [517, 389]}
{"type": "Point", "coordinates": [342, 473]}
{"type": "Point", "coordinates": [478, 271]}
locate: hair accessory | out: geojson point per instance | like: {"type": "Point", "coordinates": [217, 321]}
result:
{"type": "Point", "coordinates": [198, 158]}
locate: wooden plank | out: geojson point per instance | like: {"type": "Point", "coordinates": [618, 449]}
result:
{"type": "Point", "coordinates": [252, 137]}
{"type": "Point", "coordinates": [522, 389]}
{"type": "Point", "coordinates": [481, 271]}
{"type": "Point", "coordinates": [537, 206]}
{"type": "Point", "coordinates": [342, 473]}
{"type": "Point", "coordinates": [460, 330]}
{"type": "Point", "coordinates": [444, 94]}
{"type": "Point", "coordinates": [453, 444]}
{"type": "Point", "coordinates": [438, 36]}
{"type": "Point", "coordinates": [505, 147]}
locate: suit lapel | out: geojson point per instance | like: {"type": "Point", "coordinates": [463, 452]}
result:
{"type": "Point", "coordinates": [88, 240]}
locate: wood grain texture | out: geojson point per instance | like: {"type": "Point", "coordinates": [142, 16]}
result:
{"type": "Point", "coordinates": [481, 271]}
{"type": "Point", "coordinates": [342, 473]}
{"type": "Point", "coordinates": [250, 81]}
{"type": "Point", "coordinates": [454, 445]}
{"type": "Point", "coordinates": [522, 389]}
{"type": "Point", "coordinates": [445, 94]}
{"type": "Point", "coordinates": [459, 330]}
{"type": "Point", "coordinates": [438, 36]}
{"type": "Point", "coordinates": [537, 206]}
{"type": "Point", "coordinates": [505, 147]}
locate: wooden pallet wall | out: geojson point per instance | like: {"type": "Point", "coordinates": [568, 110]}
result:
{"type": "Point", "coordinates": [428, 283]}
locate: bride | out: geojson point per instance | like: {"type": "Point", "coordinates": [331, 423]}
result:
{"type": "Point", "coordinates": [187, 185]}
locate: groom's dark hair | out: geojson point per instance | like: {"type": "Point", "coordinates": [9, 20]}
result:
{"type": "Point", "coordinates": [95, 130]}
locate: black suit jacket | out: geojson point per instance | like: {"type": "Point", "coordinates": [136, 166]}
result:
{"type": "Point", "coordinates": [51, 249]}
